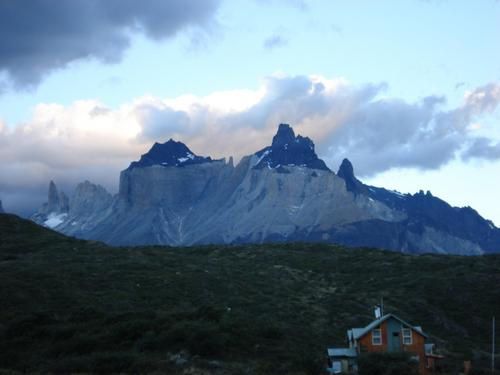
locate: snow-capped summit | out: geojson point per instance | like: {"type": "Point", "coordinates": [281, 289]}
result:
{"type": "Point", "coordinates": [289, 150]}
{"type": "Point", "coordinates": [169, 154]}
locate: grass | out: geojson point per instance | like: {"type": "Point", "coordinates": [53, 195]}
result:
{"type": "Point", "coordinates": [76, 306]}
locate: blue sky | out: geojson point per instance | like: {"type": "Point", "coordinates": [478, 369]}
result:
{"type": "Point", "coordinates": [378, 59]}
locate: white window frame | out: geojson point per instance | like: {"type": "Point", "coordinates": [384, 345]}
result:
{"type": "Point", "coordinates": [376, 337]}
{"type": "Point", "coordinates": [407, 336]}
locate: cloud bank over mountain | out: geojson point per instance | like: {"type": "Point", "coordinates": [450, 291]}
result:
{"type": "Point", "coordinates": [87, 140]}
{"type": "Point", "coordinates": [40, 36]}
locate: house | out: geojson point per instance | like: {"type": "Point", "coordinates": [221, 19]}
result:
{"type": "Point", "coordinates": [386, 334]}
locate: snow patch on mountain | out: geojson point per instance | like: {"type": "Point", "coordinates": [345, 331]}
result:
{"type": "Point", "coordinates": [55, 219]}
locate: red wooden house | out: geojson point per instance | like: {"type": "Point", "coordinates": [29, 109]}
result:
{"type": "Point", "coordinates": [387, 334]}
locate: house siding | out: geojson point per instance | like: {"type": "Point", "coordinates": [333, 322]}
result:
{"type": "Point", "coordinates": [365, 342]}
{"type": "Point", "coordinates": [416, 347]}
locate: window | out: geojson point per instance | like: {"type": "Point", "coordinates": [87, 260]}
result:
{"type": "Point", "coordinates": [407, 336]}
{"type": "Point", "coordinates": [376, 337]}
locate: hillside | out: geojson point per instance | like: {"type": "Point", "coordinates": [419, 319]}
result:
{"type": "Point", "coordinates": [77, 306]}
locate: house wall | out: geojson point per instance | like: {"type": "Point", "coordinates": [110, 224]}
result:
{"type": "Point", "coordinates": [365, 342]}
{"type": "Point", "coordinates": [417, 346]}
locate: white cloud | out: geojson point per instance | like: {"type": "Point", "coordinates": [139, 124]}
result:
{"type": "Point", "coordinates": [87, 140]}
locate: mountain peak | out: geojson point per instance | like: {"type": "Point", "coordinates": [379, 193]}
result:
{"type": "Point", "coordinates": [284, 135]}
{"type": "Point", "coordinates": [169, 154]}
{"type": "Point", "coordinates": [289, 150]}
{"type": "Point", "coordinates": [57, 200]}
{"type": "Point", "coordinates": [346, 172]}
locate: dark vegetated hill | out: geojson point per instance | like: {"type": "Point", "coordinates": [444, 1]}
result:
{"type": "Point", "coordinates": [77, 306]}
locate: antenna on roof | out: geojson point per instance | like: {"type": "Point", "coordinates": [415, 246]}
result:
{"type": "Point", "coordinates": [379, 309]}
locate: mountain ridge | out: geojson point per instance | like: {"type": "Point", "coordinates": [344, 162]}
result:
{"type": "Point", "coordinates": [281, 193]}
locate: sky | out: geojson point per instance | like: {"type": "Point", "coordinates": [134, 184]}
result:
{"type": "Point", "coordinates": [408, 90]}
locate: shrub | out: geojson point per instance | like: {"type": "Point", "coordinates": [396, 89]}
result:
{"type": "Point", "coordinates": [387, 364]}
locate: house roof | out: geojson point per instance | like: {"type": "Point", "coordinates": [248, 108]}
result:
{"type": "Point", "coordinates": [342, 352]}
{"type": "Point", "coordinates": [357, 333]}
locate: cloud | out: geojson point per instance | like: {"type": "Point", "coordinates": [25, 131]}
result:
{"type": "Point", "coordinates": [482, 148]}
{"type": "Point", "coordinates": [88, 140]}
{"type": "Point", "coordinates": [161, 122]}
{"type": "Point", "coordinates": [40, 36]}
{"type": "Point", "coordinates": [377, 133]}
{"type": "Point", "coordinates": [275, 41]}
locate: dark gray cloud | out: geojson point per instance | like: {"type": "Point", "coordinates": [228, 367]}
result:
{"type": "Point", "coordinates": [39, 36]}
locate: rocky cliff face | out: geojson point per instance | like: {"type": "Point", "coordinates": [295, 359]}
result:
{"type": "Point", "coordinates": [284, 192]}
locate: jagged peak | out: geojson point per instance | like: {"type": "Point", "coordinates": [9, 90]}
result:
{"type": "Point", "coordinates": [284, 135]}
{"type": "Point", "coordinates": [89, 186]}
{"type": "Point", "coordinates": [287, 149]}
{"type": "Point", "coordinates": [169, 154]}
{"type": "Point", "coordinates": [57, 200]}
{"type": "Point", "coordinates": [53, 193]}
{"type": "Point", "coordinates": [52, 186]}
{"type": "Point", "coordinates": [346, 169]}
{"type": "Point", "coordinates": [346, 172]}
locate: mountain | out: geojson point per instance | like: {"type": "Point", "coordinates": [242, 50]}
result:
{"type": "Point", "coordinates": [170, 153]}
{"type": "Point", "coordinates": [1, 208]}
{"type": "Point", "coordinates": [282, 193]}
{"type": "Point", "coordinates": [55, 211]}
{"type": "Point", "coordinates": [71, 306]}
{"type": "Point", "coordinates": [289, 150]}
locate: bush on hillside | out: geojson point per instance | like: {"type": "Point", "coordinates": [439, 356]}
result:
{"type": "Point", "coordinates": [387, 364]}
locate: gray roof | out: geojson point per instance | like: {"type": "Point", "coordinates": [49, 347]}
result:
{"type": "Point", "coordinates": [356, 333]}
{"type": "Point", "coordinates": [342, 352]}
